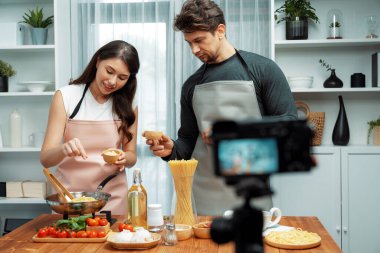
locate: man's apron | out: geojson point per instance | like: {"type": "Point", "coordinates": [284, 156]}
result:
{"type": "Point", "coordinates": [85, 175]}
{"type": "Point", "coordinates": [220, 100]}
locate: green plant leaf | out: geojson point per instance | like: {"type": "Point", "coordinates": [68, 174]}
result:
{"type": "Point", "coordinates": [35, 18]}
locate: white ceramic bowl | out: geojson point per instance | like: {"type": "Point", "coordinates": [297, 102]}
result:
{"type": "Point", "coordinates": [35, 86]}
{"type": "Point", "coordinates": [296, 82]}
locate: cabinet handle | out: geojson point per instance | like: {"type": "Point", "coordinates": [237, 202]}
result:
{"type": "Point", "coordinates": [345, 230]}
{"type": "Point", "coordinates": [337, 229]}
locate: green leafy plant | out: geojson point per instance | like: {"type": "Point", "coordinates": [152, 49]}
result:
{"type": "Point", "coordinates": [35, 18]}
{"type": "Point", "coordinates": [326, 65]}
{"type": "Point", "coordinates": [296, 8]}
{"type": "Point", "coordinates": [371, 125]}
{"type": "Point", "coordinates": [334, 24]}
{"type": "Point", "coordinates": [74, 223]}
{"type": "Point", "coordinates": [6, 69]}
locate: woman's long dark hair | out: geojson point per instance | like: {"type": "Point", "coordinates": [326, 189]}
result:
{"type": "Point", "coordinates": [122, 98]}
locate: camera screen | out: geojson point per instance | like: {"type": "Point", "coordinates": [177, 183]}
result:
{"type": "Point", "coordinates": [258, 156]}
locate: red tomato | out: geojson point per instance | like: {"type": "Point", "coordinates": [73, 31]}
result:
{"type": "Point", "coordinates": [121, 227]}
{"type": "Point", "coordinates": [97, 218]}
{"type": "Point", "coordinates": [73, 234]}
{"type": "Point", "coordinates": [63, 234]}
{"type": "Point", "coordinates": [51, 231]}
{"type": "Point", "coordinates": [92, 222]}
{"type": "Point", "coordinates": [102, 234]}
{"type": "Point", "coordinates": [92, 234]}
{"type": "Point", "coordinates": [128, 227]}
{"type": "Point", "coordinates": [81, 234]}
{"type": "Point", "coordinates": [42, 232]}
{"type": "Point", "coordinates": [103, 222]}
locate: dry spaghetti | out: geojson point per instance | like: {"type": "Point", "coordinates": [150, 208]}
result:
{"type": "Point", "coordinates": [293, 237]}
{"type": "Point", "coordinates": [183, 172]}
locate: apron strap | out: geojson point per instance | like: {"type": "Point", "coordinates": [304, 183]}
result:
{"type": "Point", "coordinates": [80, 102]}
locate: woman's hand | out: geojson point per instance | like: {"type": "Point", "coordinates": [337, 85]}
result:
{"type": "Point", "coordinates": [120, 163]}
{"type": "Point", "coordinates": [206, 136]}
{"type": "Point", "coordinates": [162, 147]}
{"type": "Point", "coordinates": [74, 148]}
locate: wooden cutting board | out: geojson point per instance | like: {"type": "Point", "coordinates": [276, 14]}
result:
{"type": "Point", "coordinates": [35, 238]}
{"type": "Point", "coordinates": [292, 246]}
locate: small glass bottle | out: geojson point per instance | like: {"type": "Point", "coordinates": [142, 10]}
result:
{"type": "Point", "coordinates": [170, 236]}
{"type": "Point", "coordinates": [155, 218]}
{"type": "Point", "coordinates": [137, 202]}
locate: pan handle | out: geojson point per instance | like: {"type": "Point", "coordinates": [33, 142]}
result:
{"type": "Point", "coordinates": [105, 181]}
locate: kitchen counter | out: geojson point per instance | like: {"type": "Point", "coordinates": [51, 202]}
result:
{"type": "Point", "coordinates": [20, 240]}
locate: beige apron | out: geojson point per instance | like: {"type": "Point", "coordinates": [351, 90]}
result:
{"type": "Point", "coordinates": [220, 100]}
{"type": "Point", "coordinates": [85, 175]}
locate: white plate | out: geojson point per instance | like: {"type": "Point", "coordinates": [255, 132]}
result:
{"type": "Point", "coordinates": [36, 86]}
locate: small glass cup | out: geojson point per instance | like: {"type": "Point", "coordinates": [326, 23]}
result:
{"type": "Point", "coordinates": [372, 25]}
{"type": "Point", "coordinates": [155, 219]}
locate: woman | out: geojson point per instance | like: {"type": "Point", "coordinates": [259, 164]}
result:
{"type": "Point", "coordinates": [96, 112]}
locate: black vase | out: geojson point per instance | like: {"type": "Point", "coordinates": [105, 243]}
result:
{"type": "Point", "coordinates": [297, 29]}
{"type": "Point", "coordinates": [333, 81]}
{"type": "Point", "coordinates": [341, 132]}
{"type": "Point", "coordinates": [3, 83]}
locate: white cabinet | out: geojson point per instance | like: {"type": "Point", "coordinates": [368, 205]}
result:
{"type": "Point", "coordinates": [313, 194]}
{"type": "Point", "coordinates": [50, 62]}
{"type": "Point", "coordinates": [360, 199]}
{"type": "Point", "coordinates": [341, 191]}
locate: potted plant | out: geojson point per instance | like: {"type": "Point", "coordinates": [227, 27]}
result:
{"type": "Point", "coordinates": [6, 71]}
{"type": "Point", "coordinates": [296, 14]}
{"type": "Point", "coordinates": [374, 125]}
{"type": "Point", "coordinates": [333, 81]}
{"type": "Point", "coordinates": [35, 18]}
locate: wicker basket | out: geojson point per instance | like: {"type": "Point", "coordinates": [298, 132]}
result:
{"type": "Point", "coordinates": [316, 119]}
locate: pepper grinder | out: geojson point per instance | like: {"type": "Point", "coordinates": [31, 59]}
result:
{"type": "Point", "coordinates": [170, 236]}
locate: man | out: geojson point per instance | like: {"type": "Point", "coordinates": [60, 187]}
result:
{"type": "Point", "coordinates": [231, 84]}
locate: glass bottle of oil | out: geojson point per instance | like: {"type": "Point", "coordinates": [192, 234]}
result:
{"type": "Point", "coordinates": [137, 202]}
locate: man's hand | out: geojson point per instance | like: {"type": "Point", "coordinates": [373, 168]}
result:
{"type": "Point", "coordinates": [162, 147]}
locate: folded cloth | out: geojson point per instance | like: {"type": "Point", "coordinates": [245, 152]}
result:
{"type": "Point", "coordinates": [277, 228]}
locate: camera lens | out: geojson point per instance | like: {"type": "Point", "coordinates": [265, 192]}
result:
{"type": "Point", "coordinates": [222, 230]}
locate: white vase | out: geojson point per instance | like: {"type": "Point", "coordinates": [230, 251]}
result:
{"type": "Point", "coordinates": [39, 36]}
{"type": "Point", "coordinates": [16, 130]}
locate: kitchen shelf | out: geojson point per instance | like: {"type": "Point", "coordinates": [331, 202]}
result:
{"type": "Point", "coordinates": [4, 200]}
{"type": "Point", "coordinates": [326, 43]}
{"type": "Point", "coordinates": [22, 149]}
{"type": "Point", "coordinates": [28, 48]}
{"type": "Point", "coordinates": [336, 90]}
{"type": "Point", "coordinates": [26, 93]}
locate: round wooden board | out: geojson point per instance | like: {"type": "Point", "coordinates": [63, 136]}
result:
{"type": "Point", "coordinates": [134, 245]}
{"type": "Point", "coordinates": [290, 246]}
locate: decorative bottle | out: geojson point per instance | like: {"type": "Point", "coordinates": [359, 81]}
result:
{"type": "Point", "coordinates": [333, 81]}
{"type": "Point", "coordinates": [341, 132]}
{"type": "Point", "coordinates": [15, 129]}
{"type": "Point", "coordinates": [137, 202]}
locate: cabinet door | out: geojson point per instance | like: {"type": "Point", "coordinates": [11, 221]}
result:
{"type": "Point", "coordinates": [315, 193]}
{"type": "Point", "coordinates": [360, 199]}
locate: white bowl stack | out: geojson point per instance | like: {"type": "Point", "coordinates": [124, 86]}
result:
{"type": "Point", "coordinates": [299, 82]}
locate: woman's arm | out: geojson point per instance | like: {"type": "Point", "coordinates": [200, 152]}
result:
{"type": "Point", "coordinates": [52, 151]}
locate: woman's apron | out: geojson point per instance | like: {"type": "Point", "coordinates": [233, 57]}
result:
{"type": "Point", "coordinates": [220, 100]}
{"type": "Point", "coordinates": [85, 175]}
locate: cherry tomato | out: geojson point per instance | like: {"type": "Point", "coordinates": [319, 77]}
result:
{"type": "Point", "coordinates": [63, 234]}
{"type": "Point", "coordinates": [128, 227]}
{"type": "Point", "coordinates": [81, 234]}
{"type": "Point", "coordinates": [42, 232]}
{"type": "Point", "coordinates": [97, 218]}
{"type": "Point", "coordinates": [102, 234]}
{"type": "Point", "coordinates": [51, 231]}
{"type": "Point", "coordinates": [92, 234]}
{"type": "Point", "coordinates": [103, 222]}
{"type": "Point", "coordinates": [92, 222]}
{"type": "Point", "coordinates": [73, 234]}
{"type": "Point", "coordinates": [121, 227]}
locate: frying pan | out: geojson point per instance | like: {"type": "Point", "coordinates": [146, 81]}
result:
{"type": "Point", "coordinates": [67, 208]}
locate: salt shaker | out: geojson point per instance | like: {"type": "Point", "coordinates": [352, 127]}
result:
{"type": "Point", "coordinates": [170, 237]}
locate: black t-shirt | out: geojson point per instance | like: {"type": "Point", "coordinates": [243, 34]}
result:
{"type": "Point", "coordinates": [272, 90]}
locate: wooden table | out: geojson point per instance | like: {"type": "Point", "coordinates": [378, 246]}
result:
{"type": "Point", "coordinates": [20, 240]}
